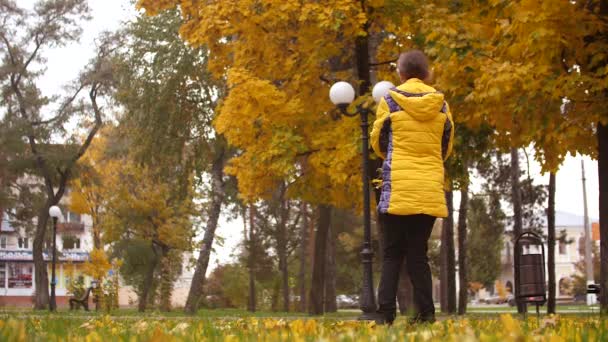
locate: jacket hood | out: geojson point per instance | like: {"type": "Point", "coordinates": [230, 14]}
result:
{"type": "Point", "coordinates": [419, 100]}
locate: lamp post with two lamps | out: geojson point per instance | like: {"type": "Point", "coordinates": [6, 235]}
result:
{"type": "Point", "coordinates": [55, 213]}
{"type": "Point", "coordinates": [342, 94]}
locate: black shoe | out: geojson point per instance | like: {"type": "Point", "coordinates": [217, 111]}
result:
{"type": "Point", "coordinates": [421, 319]}
{"type": "Point", "coordinates": [382, 318]}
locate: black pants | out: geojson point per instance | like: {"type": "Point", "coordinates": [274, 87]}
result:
{"type": "Point", "coordinates": [406, 237]}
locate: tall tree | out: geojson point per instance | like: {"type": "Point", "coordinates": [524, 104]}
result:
{"type": "Point", "coordinates": [170, 101]}
{"type": "Point", "coordinates": [303, 256]}
{"type": "Point", "coordinates": [551, 244]}
{"type": "Point", "coordinates": [330, 304]}
{"type": "Point", "coordinates": [448, 259]}
{"type": "Point", "coordinates": [485, 244]}
{"type": "Point", "coordinates": [40, 119]}
{"type": "Point", "coordinates": [317, 286]}
{"type": "Point", "coordinates": [141, 206]}
{"type": "Point", "coordinates": [462, 255]}
{"type": "Point", "coordinates": [251, 261]}
{"type": "Point", "coordinates": [87, 191]}
{"type": "Point", "coordinates": [218, 195]}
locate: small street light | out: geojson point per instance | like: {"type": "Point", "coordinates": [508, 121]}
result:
{"type": "Point", "coordinates": [55, 213]}
{"type": "Point", "coordinates": [342, 94]}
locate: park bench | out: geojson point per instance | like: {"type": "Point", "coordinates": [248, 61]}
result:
{"type": "Point", "coordinates": [82, 301]}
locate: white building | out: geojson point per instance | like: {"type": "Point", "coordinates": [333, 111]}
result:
{"type": "Point", "coordinates": [17, 276]}
{"type": "Point", "coordinates": [566, 254]}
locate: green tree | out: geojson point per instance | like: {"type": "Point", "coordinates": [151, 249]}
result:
{"type": "Point", "coordinates": [486, 227]}
{"type": "Point", "coordinates": [170, 101]}
{"type": "Point", "coordinates": [40, 120]}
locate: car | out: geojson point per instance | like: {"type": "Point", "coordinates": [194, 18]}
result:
{"type": "Point", "coordinates": [347, 301]}
{"type": "Point", "coordinates": [495, 300]}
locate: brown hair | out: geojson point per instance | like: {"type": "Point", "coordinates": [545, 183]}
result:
{"type": "Point", "coordinates": [413, 64]}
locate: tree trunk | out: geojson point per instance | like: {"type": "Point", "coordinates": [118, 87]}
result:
{"type": "Point", "coordinates": [462, 250]}
{"type": "Point", "coordinates": [282, 251]}
{"type": "Point", "coordinates": [276, 290]}
{"type": "Point", "coordinates": [41, 276]}
{"type": "Point", "coordinates": [97, 244]}
{"type": "Point", "coordinates": [551, 243]}
{"type": "Point", "coordinates": [451, 256]}
{"type": "Point", "coordinates": [317, 285]}
{"type": "Point", "coordinates": [447, 265]}
{"type": "Point", "coordinates": [148, 281]}
{"type": "Point", "coordinates": [517, 211]}
{"type": "Point", "coordinates": [251, 304]}
{"type": "Point", "coordinates": [602, 171]}
{"type": "Point", "coordinates": [41, 281]}
{"type": "Point", "coordinates": [303, 256]}
{"type": "Point", "coordinates": [218, 195]}
{"type": "Point", "coordinates": [405, 291]}
{"type": "Point", "coordinates": [166, 281]}
{"type": "Point", "coordinates": [330, 273]}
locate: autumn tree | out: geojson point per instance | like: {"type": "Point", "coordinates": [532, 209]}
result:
{"type": "Point", "coordinates": [87, 190]}
{"type": "Point", "coordinates": [170, 100]}
{"type": "Point", "coordinates": [513, 65]}
{"type": "Point", "coordinates": [536, 41]}
{"type": "Point", "coordinates": [141, 206]}
{"type": "Point", "coordinates": [41, 119]}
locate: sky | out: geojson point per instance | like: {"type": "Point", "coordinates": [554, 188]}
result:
{"type": "Point", "coordinates": [64, 64]}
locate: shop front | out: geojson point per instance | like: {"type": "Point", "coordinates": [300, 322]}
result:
{"type": "Point", "coordinates": [17, 277]}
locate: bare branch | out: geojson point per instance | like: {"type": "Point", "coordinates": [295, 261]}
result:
{"type": "Point", "coordinates": [62, 109]}
{"type": "Point", "coordinates": [96, 127]}
{"type": "Point", "coordinates": [31, 57]}
{"type": "Point", "coordinates": [9, 48]}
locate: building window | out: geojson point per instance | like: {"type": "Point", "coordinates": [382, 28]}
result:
{"type": "Point", "coordinates": [3, 242]}
{"type": "Point", "coordinates": [5, 223]}
{"type": "Point", "coordinates": [23, 243]}
{"type": "Point", "coordinates": [20, 275]}
{"type": "Point", "coordinates": [562, 247]}
{"type": "Point", "coordinates": [71, 242]}
{"type": "Point", "coordinates": [73, 217]}
{"type": "Point", "coordinates": [2, 274]}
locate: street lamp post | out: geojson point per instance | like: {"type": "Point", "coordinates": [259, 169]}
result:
{"type": "Point", "coordinates": [55, 213]}
{"type": "Point", "coordinates": [342, 94]}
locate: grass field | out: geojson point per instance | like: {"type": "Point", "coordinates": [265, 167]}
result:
{"type": "Point", "coordinates": [239, 325]}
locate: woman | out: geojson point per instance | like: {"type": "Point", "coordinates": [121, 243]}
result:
{"type": "Point", "coordinates": [413, 133]}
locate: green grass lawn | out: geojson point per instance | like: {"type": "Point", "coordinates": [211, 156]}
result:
{"type": "Point", "coordinates": [239, 325]}
{"type": "Point", "coordinates": [239, 313]}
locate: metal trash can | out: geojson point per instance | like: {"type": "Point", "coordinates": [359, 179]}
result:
{"type": "Point", "coordinates": [530, 284]}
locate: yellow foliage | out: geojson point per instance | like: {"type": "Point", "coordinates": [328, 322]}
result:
{"type": "Point", "coordinates": [509, 65]}
{"type": "Point", "coordinates": [277, 112]}
{"type": "Point", "coordinates": [501, 290]}
{"type": "Point", "coordinates": [98, 264]}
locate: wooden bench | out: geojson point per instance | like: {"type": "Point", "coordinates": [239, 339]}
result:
{"type": "Point", "coordinates": [82, 301]}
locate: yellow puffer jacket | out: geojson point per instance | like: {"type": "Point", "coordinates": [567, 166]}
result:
{"type": "Point", "coordinates": [413, 133]}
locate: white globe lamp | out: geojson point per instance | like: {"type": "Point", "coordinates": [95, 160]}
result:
{"type": "Point", "coordinates": [342, 93]}
{"type": "Point", "coordinates": [381, 89]}
{"type": "Point", "coordinates": [55, 212]}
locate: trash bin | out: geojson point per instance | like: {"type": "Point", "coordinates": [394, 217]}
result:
{"type": "Point", "coordinates": [529, 268]}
